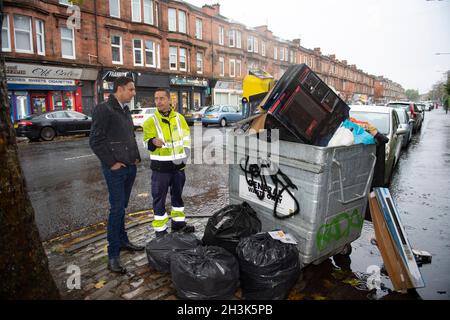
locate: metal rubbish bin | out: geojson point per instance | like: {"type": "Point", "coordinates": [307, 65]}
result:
{"type": "Point", "coordinates": [331, 186]}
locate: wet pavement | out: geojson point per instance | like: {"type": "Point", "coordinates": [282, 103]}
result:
{"type": "Point", "coordinates": [64, 187]}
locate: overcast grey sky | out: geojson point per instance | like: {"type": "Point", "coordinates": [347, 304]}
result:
{"type": "Point", "coordinates": [395, 38]}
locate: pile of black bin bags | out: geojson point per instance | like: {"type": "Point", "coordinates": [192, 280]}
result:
{"type": "Point", "coordinates": [232, 253]}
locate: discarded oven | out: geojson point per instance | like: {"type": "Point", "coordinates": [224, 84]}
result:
{"type": "Point", "coordinates": [319, 193]}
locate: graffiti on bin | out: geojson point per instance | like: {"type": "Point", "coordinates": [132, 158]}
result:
{"type": "Point", "coordinates": [338, 228]}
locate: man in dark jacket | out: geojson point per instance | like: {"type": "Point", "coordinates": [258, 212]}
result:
{"type": "Point", "coordinates": [113, 141]}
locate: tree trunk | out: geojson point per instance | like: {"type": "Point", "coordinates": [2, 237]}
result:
{"type": "Point", "coordinates": [24, 272]}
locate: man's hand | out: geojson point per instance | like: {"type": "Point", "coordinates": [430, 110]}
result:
{"type": "Point", "coordinates": [117, 166]}
{"type": "Point", "coordinates": [158, 142]}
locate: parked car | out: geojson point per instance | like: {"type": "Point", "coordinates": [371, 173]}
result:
{"type": "Point", "coordinates": [47, 126]}
{"type": "Point", "coordinates": [221, 115]}
{"type": "Point", "coordinates": [386, 121]}
{"type": "Point", "coordinates": [406, 123]}
{"type": "Point", "coordinates": [139, 116]}
{"type": "Point", "coordinates": [195, 116]}
{"type": "Point", "coordinates": [413, 112]}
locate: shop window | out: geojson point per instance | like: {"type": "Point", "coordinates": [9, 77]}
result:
{"type": "Point", "coordinates": [22, 34]}
{"type": "Point", "coordinates": [174, 100]}
{"type": "Point", "coordinates": [57, 101]}
{"type": "Point", "coordinates": [197, 100]}
{"type": "Point", "coordinates": [21, 105]}
{"type": "Point", "coordinates": [185, 102]}
{"type": "Point", "coordinates": [68, 101]}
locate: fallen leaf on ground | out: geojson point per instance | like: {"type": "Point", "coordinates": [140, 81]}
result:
{"type": "Point", "coordinates": [100, 284]}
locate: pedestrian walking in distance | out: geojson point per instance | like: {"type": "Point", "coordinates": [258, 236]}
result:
{"type": "Point", "coordinates": [113, 140]}
{"type": "Point", "coordinates": [167, 137]}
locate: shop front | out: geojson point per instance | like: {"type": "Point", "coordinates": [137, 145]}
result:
{"type": "Point", "coordinates": [106, 83]}
{"type": "Point", "coordinates": [146, 85]}
{"type": "Point", "coordinates": [228, 93]}
{"type": "Point", "coordinates": [35, 89]}
{"type": "Point", "coordinates": [187, 94]}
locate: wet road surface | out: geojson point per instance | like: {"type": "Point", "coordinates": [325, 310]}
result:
{"type": "Point", "coordinates": [68, 192]}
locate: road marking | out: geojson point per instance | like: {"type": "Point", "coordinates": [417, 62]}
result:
{"type": "Point", "coordinates": [74, 158]}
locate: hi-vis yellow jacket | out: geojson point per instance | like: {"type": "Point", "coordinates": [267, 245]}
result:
{"type": "Point", "coordinates": [173, 130]}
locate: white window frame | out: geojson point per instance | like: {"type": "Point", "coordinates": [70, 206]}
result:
{"type": "Point", "coordinates": [182, 27]}
{"type": "Point", "coordinates": [250, 44]}
{"type": "Point", "coordinates": [282, 54]}
{"type": "Point", "coordinates": [263, 48]}
{"type": "Point", "coordinates": [238, 70]}
{"type": "Point", "coordinates": [255, 45]}
{"type": "Point", "coordinates": [118, 8]}
{"type": "Point", "coordinates": [153, 63]}
{"type": "Point", "coordinates": [185, 59]}
{"type": "Point", "coordinates": [232, 38]}
{"type": "Point", "coordinates": [30, 32]}
{"type": "Point", "coordinates": [73, 44]}
{"type": "Point", "coordinates": [286, 55]}
{"type": "Point", "coordinates": [175, 56]}
{"type": "Point", "coordinates": [172, 23]}
{"type": "Point", "coordinates": [222, 66]}
{"type": "Point", "coordinates": [117, 46]}
{"type": "Point", "coordinates": [221, 35]}
{"type": "Point", "coordinates": [133, 2]}
{"type": "Point", "coordinates": [8, 31]}
{"type": "Point", "coordinates": [158, 57]}
{"type": "Point", "coordinates": [232, 65]}
{"type": "Point", "coordinates": [238, 40]}
{"type": "Point", "coordinates": [148, 12]}
{"type": "Point", "coordinates": [41, 35]}
{"type": "Point", "coordinates": [65, 3]}
{"type": "Point", "coordinates": [198, 28]}
{"type": "Point", "coordinates": [275, 53]}
{"type": "Point", "coordinates": [134, 53]}
{"type": "Point", "coordinates": [200, 62]}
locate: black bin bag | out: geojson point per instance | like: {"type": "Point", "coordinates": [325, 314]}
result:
{"type": "Point", "coordinates": [229, 225]}
{"type": "Point", "coordinates": [205, 273]}
{"type": "Point", "coordinates": [160, 249]}
{"type": "Point", "coordinates": [269, 268]}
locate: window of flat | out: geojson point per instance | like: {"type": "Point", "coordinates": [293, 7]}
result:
{"type": "Point", "coordinates": [116, 49]}
{"type": "Point", "coordinates": [114, 8]}
{"type": "Point", "coordinates": [183, 59]}
{"type": "Point", "coordinates": [172, 19]}
{"type": "Point", "coordinates": [150, 56]}
{"type": "Point", "coordinates": [173, 57]}
{"type": "Point", "coordinates": [22, 34]}
{"type": "Point", "coordinates": [222, 66]}
{"type": "Point", "coordinates": [275, 53]}
{"type": "Point", "coordinates": [6, 35]}
{"type": "Point", "coordinates": [238, 68]}
{"type": "Point", "coordinates": [137, 50]}
{"type": "Point", "coordinates": [40, 37]}
{"type": "Point", "coordinates": [181, 21]}
{"type": "Point", "coordinates": [250, 44]}
{"type": "Point", "coordinates": [221, 36]}
{"type": "Point", "coordinates": [238, 40]}
{"type": "Point", "coordinates": [232, 38]}
{"type": "Point", "coordinates": [136, 10]}
{"type": "Point", "coordinates": [199, 62]}
{"type": "Point", "coordinates": [263, 48]}
{"type": "Point", "coordinates": [232, 68]}
{"type": "Point", "coordinates": [198, 29]}
{"type": "Point", "coordinates": [148, 11]}
{"type": "Point", "coordinates": [67, 43]}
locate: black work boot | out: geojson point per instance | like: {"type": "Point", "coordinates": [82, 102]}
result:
{"type": "Point", "coordinates": [160, 234]}
{"type": "Point", "coordinates": [132, 247]}
{"type": "Point", "coordinates": [114, 265]}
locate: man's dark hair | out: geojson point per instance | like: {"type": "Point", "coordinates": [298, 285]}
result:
{"type": "Point", "coordinates": [120, 82]}
{"type": "Point", "coordinates": [165, 90]}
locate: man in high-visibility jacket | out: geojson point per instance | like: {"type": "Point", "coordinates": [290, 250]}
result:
{"type": "Point", "coordinates": [167, 137]}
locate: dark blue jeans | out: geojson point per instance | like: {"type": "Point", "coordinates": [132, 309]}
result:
{"type": "Point", "coordinates": [161, 182]}
{"type": "Point", "coordinates": [120, 182]}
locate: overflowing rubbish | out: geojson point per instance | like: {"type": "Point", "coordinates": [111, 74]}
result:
{"type": "Point", "coordinates": [393, 243]}
{"type": "Point", "coordinates": [160, 249]}
{"type": "Point", "coordinates": [229, 225]}
{"type": "Point", "coordinates": [205, 273]}
{"type": "Point", "coordinates": [269, 268]}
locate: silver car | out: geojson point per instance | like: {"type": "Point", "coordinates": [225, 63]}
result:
{"type": "Point", "coordinates": [386, 120]}
{"type": "Point", "coordinates": [407, 124]}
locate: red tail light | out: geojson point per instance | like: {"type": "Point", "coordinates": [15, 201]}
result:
{"type": "Point", "coordinates": [24, 123]}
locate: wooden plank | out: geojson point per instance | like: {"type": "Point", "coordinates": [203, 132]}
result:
{"type": "Point", "coordinates": [392, 260]}
{"type": "Point", "coordinates": [398, 234]}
